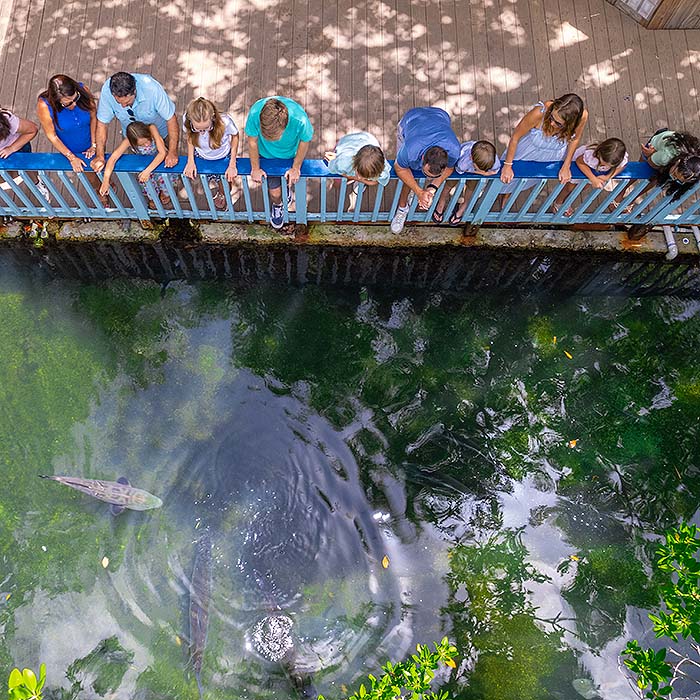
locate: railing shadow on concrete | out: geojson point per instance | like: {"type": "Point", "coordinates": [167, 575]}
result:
{"type": "Point", "coordinates": [43, 185]}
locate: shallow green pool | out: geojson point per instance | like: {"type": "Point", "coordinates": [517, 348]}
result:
{"type": "Point", "coordinates": [509, 460]}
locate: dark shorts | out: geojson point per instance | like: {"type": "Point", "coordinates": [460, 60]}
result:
{"type": "Point", "coordinates": [27, 148]}
{"type": "Point", "coordinates": [274, 182]}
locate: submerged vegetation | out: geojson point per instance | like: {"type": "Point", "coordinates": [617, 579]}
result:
{"type": "Point", "coordinates": [482, 428]}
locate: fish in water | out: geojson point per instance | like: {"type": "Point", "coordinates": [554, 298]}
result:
{"type": "Point", "coordinates": [119, 494]}
{"type": "Point", "coordinates": [200, 595]}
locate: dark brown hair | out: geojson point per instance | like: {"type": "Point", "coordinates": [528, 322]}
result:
{"type": "Point", "coordinates": [61, 86]}
{"type": "Point", "coordinates": [4, 124]}
{"type": "Point", "coordinates": [274, 117]}
{"type": "Point", "coordinates": [201, 110]}
{"type": "Point", "coordinates": [435, 160]}
{"type": "Point", "coordinates": [136, 131]}
{"type": "Point", "coordinates": [569, 107]}
{"type": "Point", "coordinates": [368, 162]}
{"type": "Point", "coordinates": [483, 155]}
{"type": "Point", "coordinates": [610, 151]}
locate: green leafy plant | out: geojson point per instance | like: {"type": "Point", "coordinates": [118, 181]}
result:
{"type": "Point", "coordinates": [678, 559]}
{"type": "Point", "coordinates": [411, 678]}
{"type": "Point", "coordinates": [24, 685]}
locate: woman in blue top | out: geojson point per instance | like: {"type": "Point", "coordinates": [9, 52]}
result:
{"type": "Point", "coordinates": [67, 112]}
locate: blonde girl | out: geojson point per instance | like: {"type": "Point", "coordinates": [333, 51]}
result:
{"type": "Point", "coordinates": [600, 163]}
{"type": "Point", "coordinates": [211, 135]}
{"type": "Point", "coordinates": [143, 139]}
{"type": "Point", "coordinates": [549, 132]}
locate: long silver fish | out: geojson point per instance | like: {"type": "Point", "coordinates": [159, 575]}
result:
{"type": "Point", "coordinates": [200, 595]}
{"type": "Point", "coordinates": [119, 494]}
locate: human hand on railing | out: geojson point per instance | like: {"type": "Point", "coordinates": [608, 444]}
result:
{"type": "Point", "coordinates": [507, 173]}
{"type": "Point", "coordinates": [565, 174]}
{"type": "Point", "coordinates": [171, 159]}
{"type": "Point", "coordinates": [90, 152]}
{"type": "Point", "coordinates": [143, 176]}
{"type": "Point", "coordinates": [231, 172]}
{"type": "Point", "coordinates": [77, 164]}
{"type": "Point", "coordinates": [425, 198]}
{"type": "Point", "coordinates": [647, 150]}
{"type": "Point", "coordinates": [104, 188]}
{"type": "Point", "coordinates": [330, 155]}
{"type": "Point", "coordinates": [7, 151]}
{"type": "Point", "coordinates": [257, 174]}
{"type": "Point", "coordinates": [292, 175]}
{"type": "Point", "coordinates": [97, 164]}
{"type": "Point", "coordinates": [598, 182]}
{"type": "Point", "coordinates": [190, 170]}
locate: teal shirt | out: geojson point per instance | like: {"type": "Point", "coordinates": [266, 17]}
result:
{"type": "Point", "coordinates": [665, 151]}
{"type": "Point", "coordinates": [298, 129]}
{"type": "Point", "coordinates": [345, 151]}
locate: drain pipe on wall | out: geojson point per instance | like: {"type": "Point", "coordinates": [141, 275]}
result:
{"type": "Point", "coordinates": [671, 243]}
{"type": "Point", "coordinates": [696, 233]}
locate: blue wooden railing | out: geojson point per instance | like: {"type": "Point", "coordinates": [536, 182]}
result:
{"type": "Point", "coordinates": [21, 197]}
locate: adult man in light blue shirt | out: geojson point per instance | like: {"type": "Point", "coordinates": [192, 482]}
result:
{"type": "Point", "coordinates": [136, 97]}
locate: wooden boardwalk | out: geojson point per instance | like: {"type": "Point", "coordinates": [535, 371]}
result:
{"type": "Point", "coordinates": [361, 64]}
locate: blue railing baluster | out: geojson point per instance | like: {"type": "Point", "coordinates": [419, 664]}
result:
{"type": "Point", "coordinates": [187, 184]}
{"type": "Point", "coordinates": [133, 194]}
{"type": "Point", "coordinates": [246, 199]}
{"type": "Point", "coordinates": [300, 191]}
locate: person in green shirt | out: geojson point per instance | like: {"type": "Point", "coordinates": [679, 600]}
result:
{"type": "Point", "coordinates": [675, 155]}
{"type": "Point", "coordinates": [278, 127]}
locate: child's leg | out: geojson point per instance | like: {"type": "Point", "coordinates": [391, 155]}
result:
{"type": "Point", "coordinates": [565, 192]}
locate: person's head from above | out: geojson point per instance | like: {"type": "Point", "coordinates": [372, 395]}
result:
{"type": "Point", "coordinates": [368, 162]}
{"type": "Point", "coordinates": [610, 153]}
{"type": "Point", "coordinates": [685, 169]}
{"type": "Point", "coordinates": [123, 88]}
{"type": "Point", "coordinates": [434, 161]}
{"type": "Point", "coordinates": [5, 126]}
{"type": "Point", "coordinates": [564, 115]}
{"type": "Point", "coordinates": [65, 93]}
{"type": "Point", "coordinates": [483, 155]}
{"type": "Point", "coordinates": [274, 117]}
{"type": "Point", "coordinates": [203, 117]}
{"type": "Point", "coordinates": [139, 134]}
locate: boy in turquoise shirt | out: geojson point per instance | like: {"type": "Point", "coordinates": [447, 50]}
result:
{"type": "Point", "coordinates": [277, 127]}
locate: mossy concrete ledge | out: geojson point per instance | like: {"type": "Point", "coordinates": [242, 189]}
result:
{"type": "Point", "coordinates": [358, 235]}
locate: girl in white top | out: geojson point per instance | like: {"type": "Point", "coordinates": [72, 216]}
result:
{"type": "Point", "coordinates": [211, 135]}
{"type": "Point", "coordinates": [600, 163]}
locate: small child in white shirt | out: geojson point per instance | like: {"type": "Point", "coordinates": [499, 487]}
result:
{"type": "Point", "coordinates": [600, 163]}
{"type": "Point", "coordinates": [478, 157]}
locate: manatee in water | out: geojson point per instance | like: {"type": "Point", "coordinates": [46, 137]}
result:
{"type": "Point", "coordinates": [119, 494]}
{"type": "Point", "coordinates": [200, 595]}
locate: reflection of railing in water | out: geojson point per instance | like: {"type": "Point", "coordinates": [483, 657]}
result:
{"type": "Point", "coordinates": [314, 203]}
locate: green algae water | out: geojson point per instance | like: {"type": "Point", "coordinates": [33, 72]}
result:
{"type": "Point", "coordinates": [374, 468]}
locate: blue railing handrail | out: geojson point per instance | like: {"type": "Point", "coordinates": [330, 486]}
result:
{"type": "Point", "coordinates": [48, 188]}
{"type": "Point", "coordinates": [310, 168]}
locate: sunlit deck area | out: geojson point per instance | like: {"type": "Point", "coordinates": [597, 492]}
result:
{"type": "Point", "coordinates": [360, 65]}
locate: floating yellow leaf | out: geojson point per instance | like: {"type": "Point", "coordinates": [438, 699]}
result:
{"type": "Point", "coordinates": [385, 562]}
{"type": "Point", "coordinates": [450, 663]}
{"type": "Point", "coordinates": [8, 596]}
{"type": "Point", "coordinates": [573, 557]}
{"type": "Point", "coordinates": [178, 641]}
{"type": "Point", "coordinates": [569, 355]}
{"type": "Point", "coordinates": [572, 443]}
{"type": "Point", "coordinates": [105, 562]}
{"type": "Point", "coordinates": [554, 340]}
{"type": "Point", "coordinates": [343, 688]}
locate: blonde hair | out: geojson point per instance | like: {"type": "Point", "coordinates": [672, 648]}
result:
{"type": "Point", "coordinates": [274, 117]}
{"type": "Point", "coordinates": [201, 110]}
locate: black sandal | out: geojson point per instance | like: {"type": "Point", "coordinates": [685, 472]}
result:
{"type": "Point", "coordinates": [438, 216]}
{"type": "Point", "coordinates": [455, 219]}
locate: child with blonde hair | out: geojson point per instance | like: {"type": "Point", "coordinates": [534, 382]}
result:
{"type": "Point", "coordinates": [600, 163]}
{"type": "Point", "coordinates": [143, 139]}
{"type": "Point", "coordinates": [211, 135]}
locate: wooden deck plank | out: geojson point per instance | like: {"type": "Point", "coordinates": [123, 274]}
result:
{"type": "Point", "coordinates": [497, 67]}
{"type": "Point", "coordinates": [542, 62]}
{"type": "Point", "coordinates": [557, 50]}
{"type": "Point", "coordinates": [654, 87]}
{"type": "Point", "coordinates": [688, 79]}
{"type": "Point", "coordinates": [482, 86]}
{"type": "Point", "coordinates": [512, 34]}
{"type": "Point", "coordinates": [531, 88]}
{"type": "Point", "coordinates": [571, 37]}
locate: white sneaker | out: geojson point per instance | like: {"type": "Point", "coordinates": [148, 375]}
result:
{"type": "Point", "coordinates": [399, 219]}
{"type": "Point", "coordinates": [43, 190]}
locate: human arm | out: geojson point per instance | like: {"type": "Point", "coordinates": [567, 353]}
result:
{"type": "Point", "coordinates": [232, 170]}
{"type": "Point", "coordinates": [26, 131]}
{"type": "Point", "coordinates": [565, 170]}
{"type": "Point", "coordinates": [158, 158]}
{"type": "Point", "coordinates": [191, 167]}
{"type": "Point", "coordinates": [425, 196]}
{"type": "Point", "coordinates": [93, 126]}
{"type": "Point", "coordinates": [294, 173]}
{"type": "Point", "coordinates": [596, 181]}
{"type": "Point", "coordinates": [530, 121]}
{"type": "Point", "coordinates": [256, 172]}
{"type": "Point", "coordinates": [42, 112]}
{"type": "Point", "coordinates": [173, 139]}
{"type": "Point", "coordinates": [98, 162]}
{"type": "Point", "coordinates": [121, 149]}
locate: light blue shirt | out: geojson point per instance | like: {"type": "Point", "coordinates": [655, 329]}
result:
{"type": "Point", "coordinates": [151, 106]}
{"type": "Point", "coordinates": [345, 151]}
